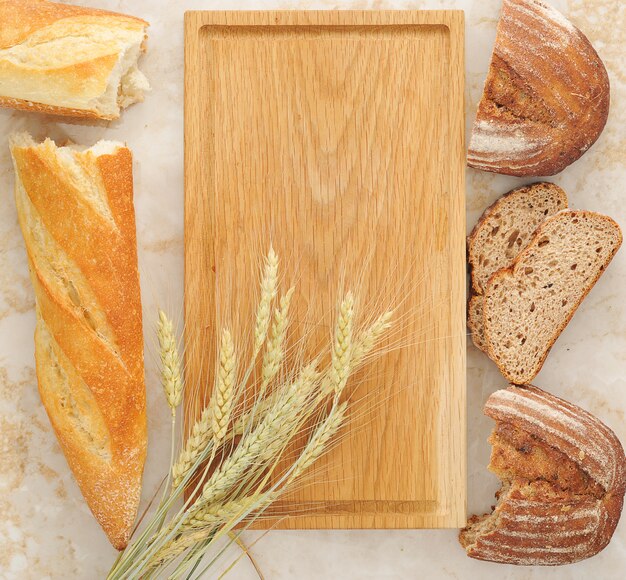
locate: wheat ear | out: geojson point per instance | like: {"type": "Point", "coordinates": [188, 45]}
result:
{"type": "Point", "coordinates": [366, 341]}
{"type": "Point", "coordinates": [269, 286]}
{"type": "Point", "coordinates": [274, 351]}
{"type": "Point", "coordinates": [221, 403]}
{"type": "Point", "coordinates": [318, 442]}
{"type": "Point", "coordinates": [255, 447]}
{"type": "Point", "coordinates": [342, 345]}
{"type": "Point", "coordinates": [171, 378]}
{"type": "Point", "coordinates": [196, 443]}
{"type": "Point", "coordinates": [214, 514]}
{"type": "Point", "coordinates": [213, 422]}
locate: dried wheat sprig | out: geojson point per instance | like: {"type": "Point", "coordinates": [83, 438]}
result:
{"type": "Point", "coordinates": [342, 346]}
{"type": "Point", "coordinates": [256, 444]}
{"type": "Point", "coordinates": [214, 514]}
{"type": "Point", "coordinates": [196, 443]}
{"type": "Point", "coordinates": [269, 287]}
{"type": "Point", "coordinates": [212, 425]}
{"type": "Point", "coordinates": [171, 376]}
{"type": "Point", "coordinates": [221, 403]}
{"type": "Point", "coordinates": [318, 442]}
{"type": "Point", "coordinates": [366, 341]}
{"type": "Point", "coordinates": [175, 548]}
{"type": "Point", "coordinates": [274, 350]}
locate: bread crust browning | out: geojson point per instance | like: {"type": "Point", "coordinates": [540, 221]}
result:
{"type": "Point", "coordinates": [78, 222]}
{"type": "Point", "coordinates": [554, 514]}
{"type": "Point", "coordinates": [546, 97]}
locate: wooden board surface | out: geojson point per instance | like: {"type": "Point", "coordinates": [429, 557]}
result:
{"type": "Point", "coordinates": [339, 136]}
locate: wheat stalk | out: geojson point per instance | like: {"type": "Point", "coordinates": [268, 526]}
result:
{"type": "Point", "coordinates": [171, 378]}
{"type": "Point", "coordinates": [370, 337]}
{"type": "Point", "coordinates": [275, 352]}
{"type": "Point", "coordinates": [237, 478]}
{"type": "Point", "coordinates": [269, 287]}
{"type": "Point", "coordinates": [222, 400]}
{"type": "Point", "coordinates": [342, 346]}
{"type": "Point", "coordinates": [260, 443]}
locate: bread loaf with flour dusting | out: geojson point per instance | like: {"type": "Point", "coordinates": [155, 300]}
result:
{"type": "Point", "coordinates": [546, 97]}
{"type": "Point", "coordinates": [563, 478]}
{"type": "Point", "coordinates": [76, 213]}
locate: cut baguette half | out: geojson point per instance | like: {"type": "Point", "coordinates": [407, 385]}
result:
{"type": "Point", "coordinates": [563, 476]}
{"type": "Point", "coordinates": [527, 306]}
{"type": "Point", "coordinates": [502, 232]}
{"type": "Point", "coordinates": [68, 60]}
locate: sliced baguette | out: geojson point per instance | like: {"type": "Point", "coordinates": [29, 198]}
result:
{"type": "Point", "coordinates": [502, 232]}
{"type": "Point", "coordinates": [527, 306]}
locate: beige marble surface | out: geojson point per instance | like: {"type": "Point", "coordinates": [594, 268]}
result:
{"type": "Point", "coordinates": [46, 531]}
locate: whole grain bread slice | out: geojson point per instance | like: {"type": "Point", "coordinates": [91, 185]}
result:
{"type": "Point", "coordinates": [527, 306]}
{"type": "Point", "coordinates": [502, 232]}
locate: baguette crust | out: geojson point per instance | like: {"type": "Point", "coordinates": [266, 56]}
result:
{"type": "Point", "coordinates": [65, 60]}
{"type": "Point", "coordinates": [553, 519]}
{"type": "Point", "coordinates": [507, 278]}
{"type": "Point", "coordinates": [76, 213]}
{"type": "Point", "coordinates": [546, 97]}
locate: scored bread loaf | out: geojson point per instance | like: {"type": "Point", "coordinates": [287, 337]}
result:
{"type": "Point", "coordinates": [68, 60]}
{"type": "Point", "coordinates": [76, 213]}
{"type": "Point", "coordinates": [546, 97]}
{"type": "Point", "coordinates": [563, 476]}
{"type": "Point", "coordinates": [502, 232]}
{"type": "Point", "coordinates": [527, 306]}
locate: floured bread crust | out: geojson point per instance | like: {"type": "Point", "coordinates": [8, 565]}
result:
{"type": "Point", "coordinates": [563, 478]}
{"type": "Point", "coordinates": [546, 97]}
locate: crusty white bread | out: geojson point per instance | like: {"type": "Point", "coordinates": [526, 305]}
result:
{"type": "Point", "coordinates": [76, 213]}
{"type": "Point", "coordinates": [502, 232]}
{"type": "Point", "coordinates": [68, 60]}
{"type": "Point", "coordinates": [563, 478]}
{"type": "Point", "coordinates": [546, 97]}
{"type": "Point", "coordinates": [527, 306]}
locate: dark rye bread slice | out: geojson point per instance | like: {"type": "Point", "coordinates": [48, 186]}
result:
{"type": "Point", "coordinates": [563, 476]}
{"type": "Point", "coordinates": [502, 232]}
{"type": "Point", "coordinates": [527, 306]}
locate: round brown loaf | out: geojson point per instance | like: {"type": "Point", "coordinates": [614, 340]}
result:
{"type": "Point", "coordinates": [546, 97]}
{"type": "Point", "coordinates": [564, 477]}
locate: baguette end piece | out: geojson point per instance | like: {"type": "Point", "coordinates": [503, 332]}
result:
{"type": "Point", "coordinates": [68, 60]}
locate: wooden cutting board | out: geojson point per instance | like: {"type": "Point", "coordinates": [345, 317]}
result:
{"type": "Point", "coordinates": [339, 137]}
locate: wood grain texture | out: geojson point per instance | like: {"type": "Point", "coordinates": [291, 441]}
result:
{"type": "Point", "coordinates": [339, 136]}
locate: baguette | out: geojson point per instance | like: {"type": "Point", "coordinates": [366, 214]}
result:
{"type": "Point", "coordinates": [546, 97]}
{"type": "Point", "coordinates": [68, 60]}
{"type": "Point", "coordinates": [527, 306]}
{"type": "Point", "coordinates": [502, 232]}
{"type": "Point", "coordinates": [563, 478]}
{"type": "Point", "coordinates": [76, 213]}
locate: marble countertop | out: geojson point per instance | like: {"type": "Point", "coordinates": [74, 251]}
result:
{"type": "Point", "coordinates": [47, 531]}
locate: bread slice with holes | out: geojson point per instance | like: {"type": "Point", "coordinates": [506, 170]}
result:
{"type": "Point", "coordinates": [502, 232]}
{"type": "Point", "coordinates": [527, 306]}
